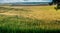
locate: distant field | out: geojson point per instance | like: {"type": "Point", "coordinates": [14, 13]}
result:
{"type": "Point", "coordinates": [29, 19]}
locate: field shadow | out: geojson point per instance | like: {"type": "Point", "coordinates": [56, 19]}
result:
{"type": "Point", "coordinates": [5, 9]}
{"type": "Point", "coordinates": [57, 8]}
{"type": "Point", "coordinates": [6, 30]}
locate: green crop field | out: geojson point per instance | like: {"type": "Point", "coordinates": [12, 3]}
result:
{"type": "Point", "coordinates": [29, 19]}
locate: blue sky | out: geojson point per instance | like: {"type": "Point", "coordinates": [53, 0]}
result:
{"type": "Point", "coordinates": [7, 1]}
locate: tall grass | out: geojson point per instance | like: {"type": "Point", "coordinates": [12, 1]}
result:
{"type": "Point", "coordinates": [30, 22]}
{"type": "Point", "coordinates": [19, 24]}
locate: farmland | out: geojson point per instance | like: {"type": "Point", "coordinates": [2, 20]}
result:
{"type": "Point", "coordinates": [29, 19]}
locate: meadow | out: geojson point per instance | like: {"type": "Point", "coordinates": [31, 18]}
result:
{"type": "Point", "coordinates": [29, 19]}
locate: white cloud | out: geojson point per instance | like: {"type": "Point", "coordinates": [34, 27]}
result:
{"type": "Point", "coordinates": [25, 1]}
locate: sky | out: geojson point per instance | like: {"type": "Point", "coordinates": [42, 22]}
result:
{"type": "Point", "coordinates": [7, 1]}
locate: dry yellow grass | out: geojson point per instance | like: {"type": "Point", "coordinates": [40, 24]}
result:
{"type": "Point", "coordinates": [15, 17]}
{"type": "Point", "coordinates": [42, 12]}
{"type": "Point", "coordinates": [38, 12]}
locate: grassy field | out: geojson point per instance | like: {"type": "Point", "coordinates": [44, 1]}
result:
{"type": "Point", "coordinates": [29, 19]}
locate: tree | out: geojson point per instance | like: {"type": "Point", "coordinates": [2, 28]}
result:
{"type": "Point", "coordinates": [53, 2]}
{"type": "Point", "coordinates": [58, 4]}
